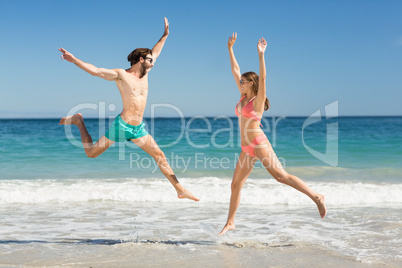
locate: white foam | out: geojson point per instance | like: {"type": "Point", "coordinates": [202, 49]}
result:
{"type": "Point", "coordinates": [209, 189]}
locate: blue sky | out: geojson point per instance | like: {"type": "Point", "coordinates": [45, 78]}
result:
{"type": "Point", "coordinates": [318, 52]}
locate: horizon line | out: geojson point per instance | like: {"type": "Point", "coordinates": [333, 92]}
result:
{"type": "Point", "coordinates": [209, 116]}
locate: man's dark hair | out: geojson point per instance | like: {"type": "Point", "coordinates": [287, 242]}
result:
{"type": "Point", "coordinates": [138, 53]}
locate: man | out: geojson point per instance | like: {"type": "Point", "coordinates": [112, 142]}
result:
{"type": "Point", "coordinates": [133, 86]}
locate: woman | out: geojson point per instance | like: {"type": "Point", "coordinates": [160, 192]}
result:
{"type": "Point", "coordinates": [254, 143]}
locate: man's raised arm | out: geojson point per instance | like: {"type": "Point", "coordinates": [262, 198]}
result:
{"type": "Point", "coordinates": [107, 74]}
{"type": "Point", "coordinates": [156, 50]}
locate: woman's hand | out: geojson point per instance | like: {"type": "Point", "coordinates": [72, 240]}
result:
{"type": "Point", "coordinates": [261, 46]}
{"type": "Point", "coordinates": [166, 32]}
{"type": "Point", "coordinates": [232, 40]}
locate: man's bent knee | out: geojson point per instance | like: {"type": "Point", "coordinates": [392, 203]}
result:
{"type": "Point", "coordinates": [158, 155]}
{"type": "Point", "coordinates": [91, 153]}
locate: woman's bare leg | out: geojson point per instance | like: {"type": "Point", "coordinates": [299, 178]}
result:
{"type": "Point", "coordinates": [244, 166]}
{"type": "Point", "coordinates": [268, 158]}
{"type": "Point", "coordinates": [148, 144]}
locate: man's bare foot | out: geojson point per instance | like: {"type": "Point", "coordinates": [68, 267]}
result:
{"type": "Point", "coordinates": [186, 194]}
{"type": "Point", "coordinates": [321, 206]}
{"type": "Point", "coordinates": [228, 226]}
{"type": "Point", "coordinates": [71, 120]}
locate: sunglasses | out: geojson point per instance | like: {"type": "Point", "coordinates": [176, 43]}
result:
{"type": "Point", "coordinates": [150, 59]}
{"type": "Point", "coordinates": [243, 81]}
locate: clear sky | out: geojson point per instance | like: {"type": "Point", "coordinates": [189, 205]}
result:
{"type": "Point", "coordinates": [318, 52]}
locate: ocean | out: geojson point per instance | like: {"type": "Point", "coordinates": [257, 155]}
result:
{"type": "Point", "coordinates": [60, 207]}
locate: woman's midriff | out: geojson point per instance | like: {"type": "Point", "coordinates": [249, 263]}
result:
{"type": "Point", "coordinates": [249, 130]}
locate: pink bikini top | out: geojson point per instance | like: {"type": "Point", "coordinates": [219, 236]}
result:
{"type": "Point", "coordinates": [248, 110]}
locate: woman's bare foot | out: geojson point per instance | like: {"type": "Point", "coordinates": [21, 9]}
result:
{"type": "Point", "coordinates": [186, 194]}
{"type": "Point", "coordinates": [228, 226]}
{"type": "Point", "coordinates": [321, 206]}
{"type": "Point", "coordinates": [71, 120]}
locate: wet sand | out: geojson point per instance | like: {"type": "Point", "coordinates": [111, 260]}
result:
{"type": "Point", "coordinates": [173, 254]}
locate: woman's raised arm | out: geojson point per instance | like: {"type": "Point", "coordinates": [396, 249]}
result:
{"type": "Point", "coordinates": [261, 96]}
{"type": "Point", "coordinates": [233, 63]}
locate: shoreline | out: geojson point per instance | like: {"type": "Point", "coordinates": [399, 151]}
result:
{"type": "Point", "coordinates": [144, 234]}
{"type": "Point", "coordinates": [177, 254]}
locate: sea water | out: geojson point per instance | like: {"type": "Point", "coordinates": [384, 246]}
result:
{"type": "Point", "coordinates": [54, 198]}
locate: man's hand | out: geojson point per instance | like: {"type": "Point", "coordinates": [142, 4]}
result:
{"type": "Point", "coordinates": [66, 55]}
{"type": "Point", "coordinates": [166, 33]}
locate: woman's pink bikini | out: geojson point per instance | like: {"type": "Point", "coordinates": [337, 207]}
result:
{"type": "Point", "coordinates": [249, 112]}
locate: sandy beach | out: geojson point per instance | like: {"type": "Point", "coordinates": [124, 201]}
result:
{"type": "Point", "coordinates": [175, 254]}
{"type": "Point", "coordinates": [186, 235]}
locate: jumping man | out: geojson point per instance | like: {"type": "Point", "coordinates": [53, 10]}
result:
{"type": "Point", "coordinates": [133, 87]}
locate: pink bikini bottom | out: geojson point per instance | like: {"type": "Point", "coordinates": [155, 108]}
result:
{"type": "Point", "coordinates": [249, 149]}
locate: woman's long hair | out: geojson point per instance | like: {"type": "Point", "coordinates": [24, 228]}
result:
{"type": "Point", "coordinates": [252, 76]}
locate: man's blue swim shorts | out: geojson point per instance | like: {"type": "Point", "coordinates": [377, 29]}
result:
{"type": "Point", "coordinates": [121, 131]}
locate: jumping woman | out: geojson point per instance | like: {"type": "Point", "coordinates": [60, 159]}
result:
{"type": "Point", "coordinates": [254, 143]}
